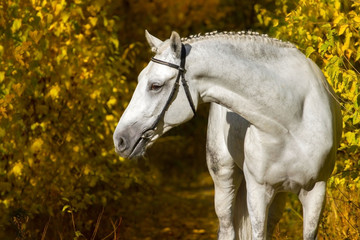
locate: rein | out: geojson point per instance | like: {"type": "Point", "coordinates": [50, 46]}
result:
{"type": "Point", "coordinates": [181, 75]}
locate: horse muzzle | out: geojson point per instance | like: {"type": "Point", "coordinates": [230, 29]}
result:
{"type": "Point", "coordinates": [132, 147]}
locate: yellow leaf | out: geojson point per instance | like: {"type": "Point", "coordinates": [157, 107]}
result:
{"type": "Point", "coordinates": [54, 92]}
{"type": "Point", "coordinates": [115, 41]}
{"type": "Point", "coordinates": [165, 230]}
{"type": "Point", "coordinates": [17, 169]}
{"type": "Point", "coordinates": [49, 18]}
{"type": "Point", "coordinates": [337, 5]}
{"type": "Point", "coordinates": [309, 51]}
{"type": "Point", "coordinates": [68, 138]}
{"type": "Point", "coordinates": [58, 9]}
{"type": "Point", "coordinates": [31, 162]}
{"type": "Point", "coordinates": [53, 158]}
{"type": "Point", "coordinates": [348, 53]}
{"type": "Point", "coordinates": [87, 29]}
{"type": "Point", "coordinates": [2, 76]}
{"type": "Point", "coordinates": [275, 22]}
{"type": "Point", "coordinates": [104, 152]}
{"type": "Point", "coordinates": [109, 118]}
{"type": "Point", "coordinates": [80, 37]}
{"type": "Point", "coordinates": [35, 36]}
{"type": "Point", "coordinates": [357, 54]}
{"type": "Point", "coordinates": [112, 101]}
{"type": "Point", "coordinates": [95, 94]}
{"type": "Point", "coordinates": [39, 14]}
{"type": "Point", "coordinates": [342, 29]}
{"type": "Point", "coordinates": [267, 20]}
{"type": "Point", "coordinates": [3, 112]}
{"type": "Point", "coordinates": [18, 88]}
{"type": "Point", "coordinates": [65, 16]}
{"type": "Point", "coordinates": [199, 231]}
{"type": "Point", "coordinates": [87, 26]}
{"type": "Point", "coordinates": [87, 170]}
{"type": "Point", "coordinates": [76, 148]}
{"type": "Point", "coordinates": [338, 19]}
{"type": "Point", "coordinates": [6, 202]}
{"type": "Point", "coordinates": [93, 21]}
{"type": "Point", "coordinates": [62, 54]}
{"type": "Point", "coordinates": [33, 182]}
{"type": "Point", "coordinates": [347, 41]}
{"type": "Point", "coordinates": [16, 25]}
{"type": "Point", "coordinates": [357, 19]}
{"type": "Point", "coordinates": [37, 145]}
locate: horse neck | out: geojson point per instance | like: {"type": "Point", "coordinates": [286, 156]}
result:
{"type": "Point", "coordinates": [244, 78]}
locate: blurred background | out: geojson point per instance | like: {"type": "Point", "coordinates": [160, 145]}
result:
{"type": "Point", "coordinates": [67, 72]}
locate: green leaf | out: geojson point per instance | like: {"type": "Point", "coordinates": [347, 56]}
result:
{"type": "Point", "coordinates": [324, 47]}
{"type": "Point", "coordinates": [309, 51]}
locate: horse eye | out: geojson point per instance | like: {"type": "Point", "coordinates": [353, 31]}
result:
{"type": "Point", "coordinates": [155, 87]}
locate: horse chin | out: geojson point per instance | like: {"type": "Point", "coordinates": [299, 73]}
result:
{"type": "Point", "coordinates": [139, 148]}
{"type": "Point", "coordinates": [145, 141]}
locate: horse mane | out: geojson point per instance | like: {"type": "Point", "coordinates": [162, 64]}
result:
{"type": "Point", "coordinates": [242, 35]}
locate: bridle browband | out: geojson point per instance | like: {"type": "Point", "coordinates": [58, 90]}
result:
{"type": "Point", "coordinates": [181, 75]}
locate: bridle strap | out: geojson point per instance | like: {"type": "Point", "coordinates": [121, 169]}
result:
{"type": "Point", "coordinates": [168, 64]}
{"type": "Point", "coordinates": [181, 75]}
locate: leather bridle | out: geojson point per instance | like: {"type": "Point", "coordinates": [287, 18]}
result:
{"type": "Point", "coordinates": [181, 74]}
{"type": "Point", "coordinates": [147, 134]}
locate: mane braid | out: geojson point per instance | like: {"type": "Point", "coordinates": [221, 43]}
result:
{"type": "Point", "coordinates": [254, 36]}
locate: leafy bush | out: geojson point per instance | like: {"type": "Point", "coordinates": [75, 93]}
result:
{"type": "Point", "coordinates": [63, 87]}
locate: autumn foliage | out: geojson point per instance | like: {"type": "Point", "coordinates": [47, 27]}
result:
{"type": "Point", "coordinates": [67, 72]}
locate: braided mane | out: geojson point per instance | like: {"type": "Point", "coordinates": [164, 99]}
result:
{"type": "Point", "coordinates": [242, 35]}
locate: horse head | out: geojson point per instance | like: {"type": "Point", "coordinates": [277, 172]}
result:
{"type": "Point", "coordinates": [158, 103]}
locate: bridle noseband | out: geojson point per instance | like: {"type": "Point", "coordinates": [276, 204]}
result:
{"type": "Point", "coordinates": [181, 74]}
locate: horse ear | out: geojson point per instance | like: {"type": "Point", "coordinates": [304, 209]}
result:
{"type": "Point", "coordinates": [153, 41]}
{"type": "Point", "coordinates": [175, 43]}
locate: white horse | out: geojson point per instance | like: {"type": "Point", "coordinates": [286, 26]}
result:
{"type": "Point", "coordinates": [294, 122]}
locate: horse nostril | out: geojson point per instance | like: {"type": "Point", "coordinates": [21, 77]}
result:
{"type": "Point", "coordinates": [121, 144]}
